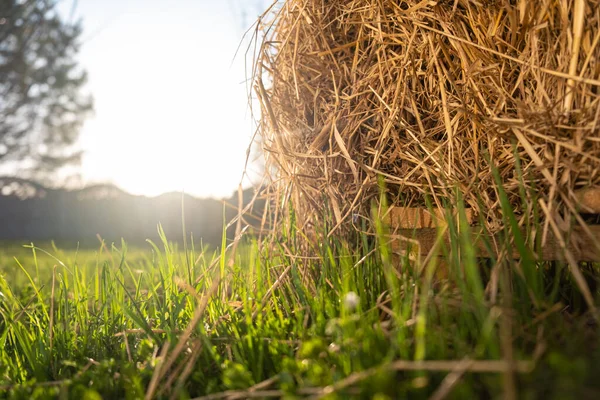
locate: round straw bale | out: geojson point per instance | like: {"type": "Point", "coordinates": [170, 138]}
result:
{"type": "Point", "coordinates": [428, 97]}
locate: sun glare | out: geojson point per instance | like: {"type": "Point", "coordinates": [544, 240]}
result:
{"type": "Point", "coordinates": [170, 105]}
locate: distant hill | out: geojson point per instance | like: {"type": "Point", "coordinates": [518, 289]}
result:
{"type": "Point", "coordinates": [30, 211]}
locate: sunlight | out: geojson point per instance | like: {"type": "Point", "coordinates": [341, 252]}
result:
{"type": "Point", "coordinates": [171, 109]}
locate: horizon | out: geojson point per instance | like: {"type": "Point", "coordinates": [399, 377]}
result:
{"type": "Point", "coordinates": [8, 188]}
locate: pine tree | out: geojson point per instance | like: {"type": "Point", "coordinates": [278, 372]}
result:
{"type": "Point", "coordinates": [42, 106]}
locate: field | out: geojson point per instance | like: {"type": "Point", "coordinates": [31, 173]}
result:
{"type": "Point", "coordinates": [173, 322]}
{"type": "Point", "coordinates": [484, 112]}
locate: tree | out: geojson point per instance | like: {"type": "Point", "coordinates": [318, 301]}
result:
{"type": "Point", "coordinates": [41, 104]}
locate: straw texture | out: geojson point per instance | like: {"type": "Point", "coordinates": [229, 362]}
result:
{"type": "Point", "coordinates": [431, 96]}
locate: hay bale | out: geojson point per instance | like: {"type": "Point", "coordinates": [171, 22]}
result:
{"type": "Point", "coordinates": [430, 96]}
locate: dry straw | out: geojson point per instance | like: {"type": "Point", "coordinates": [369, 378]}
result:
{"type": "Point", "coordinates": [430, 96]}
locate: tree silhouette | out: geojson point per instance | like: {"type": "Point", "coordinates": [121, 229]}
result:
{"type": "Point", "coordinates": [41, 104]}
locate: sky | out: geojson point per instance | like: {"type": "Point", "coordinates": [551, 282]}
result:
{"type": "Point", "coordinates": [170, 101]}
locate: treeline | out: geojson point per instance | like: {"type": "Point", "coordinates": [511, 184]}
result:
{"type": "Point", "coordinates": [32, 212]}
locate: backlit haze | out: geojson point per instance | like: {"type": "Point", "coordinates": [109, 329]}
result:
{"type": "Point", "coordinates": [170, 101]}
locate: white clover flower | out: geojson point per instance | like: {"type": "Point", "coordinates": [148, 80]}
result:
{"type": "Point", "coordinates": [351, 301]}
{"type": "Point", "coordinates": [331, 326]}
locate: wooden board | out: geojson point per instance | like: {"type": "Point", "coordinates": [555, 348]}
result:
{"type": "Point", "coordinates": [418, 218]}
{"type": "Point", "coordinates": [581, 246]}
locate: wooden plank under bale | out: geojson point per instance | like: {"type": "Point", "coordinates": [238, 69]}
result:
{"type": "Point", "coordinates": [410, 224]}
{"type": "Point", "coordinates": [420, 217]}
{"type": "Point", "coordinates": [579, 244]}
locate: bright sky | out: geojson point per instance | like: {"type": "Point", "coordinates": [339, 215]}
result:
{"type": "Point", "coordinates": [170, 108]}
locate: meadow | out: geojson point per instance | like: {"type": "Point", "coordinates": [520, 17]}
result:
{"type": "Point", "coordinates": [492, 109]}
{"type": "Point", "coordinates": [353, 321]}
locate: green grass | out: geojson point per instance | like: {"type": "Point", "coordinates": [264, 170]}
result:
{"type": "Point", "coordinates": [172, 323]}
